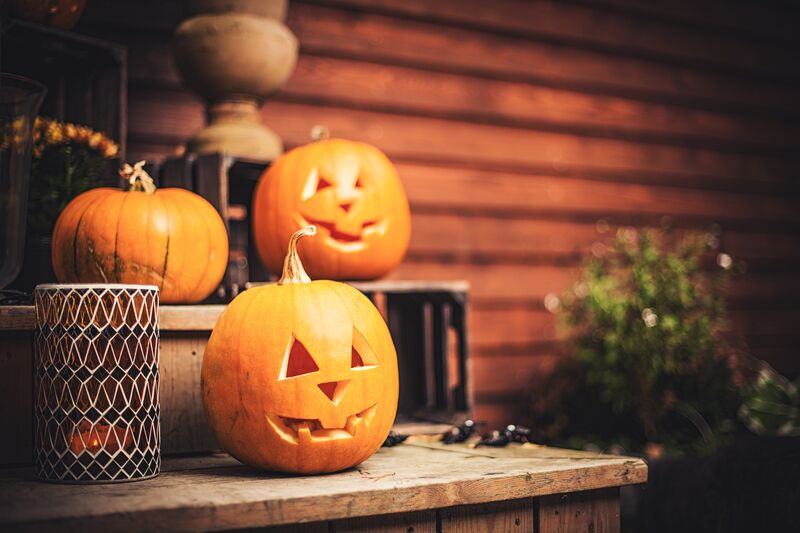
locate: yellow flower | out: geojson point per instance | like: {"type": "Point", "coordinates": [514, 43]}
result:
{"type": "Point", "coordinates": [48, 132]}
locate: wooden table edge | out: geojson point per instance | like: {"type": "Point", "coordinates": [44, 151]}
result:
{"type": "Point", "coordinates": [306, 509]}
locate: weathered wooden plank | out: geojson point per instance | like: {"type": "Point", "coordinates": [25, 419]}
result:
{"type": "Point", "coordinates": [188, 317]}
{"type": "Point", "coordinates": [17, 318]}
{"type": "Point", "coordinates": [762, 20]}
{"type": "Point", "coordinates": [485, 145]}
{"type": "Point", "coordinates": [346, 82]}
{"type": "Point", "coordinates": [501, 517]}
{"type": "Point", "coordinates": [403, 479]}
{"type": "Point", "coordinates": [527, 239]}
{"type": "Point", "coordinates": [316, 527]}
{"type": "Point", "coordinates": [596, 511]}
{"type": "Point", "coordinates": [510, 374]}
{"type": "Point", "coordinates": [183, 422]}
{"type": "Point", "coordinates": [418, 522]}
{"type": "Point", "coordinates": [590, 27]}
{"type": "Point", "coordinates": [329, 31]}
{"type": "Point", "coordinates": [472, 190]}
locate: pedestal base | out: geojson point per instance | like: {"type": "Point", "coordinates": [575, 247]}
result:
{"type": "Point", "coordinates": [235, 128]}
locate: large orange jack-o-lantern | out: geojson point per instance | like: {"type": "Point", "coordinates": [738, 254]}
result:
{"type": "Point", "coordinates": [300, 376]}
{"type": "Point", "coordinates": [351, 192]}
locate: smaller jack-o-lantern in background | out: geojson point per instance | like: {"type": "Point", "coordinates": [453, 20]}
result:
{"type": "Point", "coordinates": [301, 375]}
{"type": "Point", "coordinates": [351, 192]}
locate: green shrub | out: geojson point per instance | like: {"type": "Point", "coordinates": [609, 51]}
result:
{"type": "Point", "coordinates": [645, 362]}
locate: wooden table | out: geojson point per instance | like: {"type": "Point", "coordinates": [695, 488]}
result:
{"type": "Point", "coordinates": [419, 486]}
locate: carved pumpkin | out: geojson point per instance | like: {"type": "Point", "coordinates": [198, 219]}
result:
{"type": "Point", "coordinates": [351, 192]}
{"type": "Point", "coordinates": [300, 376]}
{"type": "Point", "coordinates": [171, 238]}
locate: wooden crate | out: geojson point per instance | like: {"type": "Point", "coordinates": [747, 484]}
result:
{"type": "Point", "coordinates": [427, 322]}
{"type": "Point", "coordinates": [86, 78]}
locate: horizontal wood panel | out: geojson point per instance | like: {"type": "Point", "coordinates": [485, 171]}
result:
{"type": "Point", "coordinates": [321, 80]}
{"type": "Point", "coordinates": [481, 191]}
{"type": "Point", "coordinates": [770, 21]}
{"type": "Point", "coordinates": [330, 31]}
{"type": "Point", "coordinates": [519, 239]}
{"type": "Point", "coordinates": [622, 33]}
{"type": "Point", "coordinates": [480, 144]}
{"type": "Point", "coordinates": [536, 331]}
{"type": "Point", "coordinates": [527, 285]}
{"type": "Point", "coordinates": [336, 32]}
{"type": "Point", "coordinates": [516, 374]}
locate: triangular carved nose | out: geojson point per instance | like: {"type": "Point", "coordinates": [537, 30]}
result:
{"type": "Point", "coordinates": [346, 206]}
{"type": "Point", "coordinates": [334, 390]}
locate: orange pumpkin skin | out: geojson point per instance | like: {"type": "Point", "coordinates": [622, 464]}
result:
{"type": "Point", "coordinates": [351, 192]}
{"type": "Point", "coordinates": [171, 238]}
{"type": "Point", "coordinates": [300, 377]}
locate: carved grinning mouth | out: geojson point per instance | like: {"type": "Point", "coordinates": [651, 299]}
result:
{"type": "Point", "coordinates": [340, 236]}
{"type": "Point", "coordinates": [302, 429]}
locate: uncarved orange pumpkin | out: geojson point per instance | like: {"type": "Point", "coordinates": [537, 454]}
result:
{"type": "Point", "coordinates": [300, 376]}
{"type": "Point", "coordinates": [351, 192]}
{"type": "Point", "coordinates": [171, 238]}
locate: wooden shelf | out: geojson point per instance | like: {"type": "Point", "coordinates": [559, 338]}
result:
{"type": "Point", "coordinates": [203, 317]}
{"type": "Point", "coordinates": [217, 492]}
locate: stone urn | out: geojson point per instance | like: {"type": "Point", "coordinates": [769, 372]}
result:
{"type": "Point", "coordinates": [234, 54]}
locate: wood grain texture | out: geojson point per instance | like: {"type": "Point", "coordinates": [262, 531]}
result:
{"type": "Point", "coordinates": [485, 145]}
{"type": "Point", "coordinates": [215, 493]}
{"type": "Point", "coordinates": [350, 82]}
{"type": "Point", "coordinates": [595, 511]}
{"type": "Point", "coordinates": [592, 28]}
{"type": "Point", "coordinates": [417, 522]}
{"type": "Point", "coordinates": [183, 422]}
{"type": "Point", "coordinates": [457, 49]}
{"type": "Point", "coordinates": [501, 517]}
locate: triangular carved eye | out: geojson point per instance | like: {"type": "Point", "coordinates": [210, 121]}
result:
{"type": "Point", "coordinates": [323, 184]}
{"type": "Point", "coordinates": [297, 360]}
{"type": "Point", "coordinates": [361, 354]}
{"type": "Point", "coordinates": [355, 360]}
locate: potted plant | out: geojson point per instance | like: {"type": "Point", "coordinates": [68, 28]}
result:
{"type": "Point", "coordinates": [649, 370]}
{"type": "Point", "coordinates": [68, 159]}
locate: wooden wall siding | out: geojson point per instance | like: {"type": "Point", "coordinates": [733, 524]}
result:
{"type": "Point", "coordinates": [516, 126]}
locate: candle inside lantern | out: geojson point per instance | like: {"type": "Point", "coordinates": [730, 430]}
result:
{"type": "Point", "coordinates": [108, 437]}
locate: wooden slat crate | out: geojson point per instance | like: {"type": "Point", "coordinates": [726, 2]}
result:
{"type": "Point", "coordinates": [86, 78]}
{"type": "Point", "coordinates": [427, 321]}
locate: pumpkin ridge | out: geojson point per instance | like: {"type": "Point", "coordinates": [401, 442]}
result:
{"type": "Point", "coordinates": [245, 311]}
{"type": "Point", "coordinates": [169, 236]}
{"type": "Point", "coordinates": [116, 242]}
{"type": "Point", "coordinates": [75, 244]}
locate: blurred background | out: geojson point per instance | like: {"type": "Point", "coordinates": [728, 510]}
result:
{"type": "Point", "coordinates": [525, 134]}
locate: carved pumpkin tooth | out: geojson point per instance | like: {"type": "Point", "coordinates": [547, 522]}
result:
{"type": "Point", "coordinates": [352, 424]}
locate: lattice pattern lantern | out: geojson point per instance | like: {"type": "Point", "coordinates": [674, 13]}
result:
{"type": "Point", "coordinates": [96, 383]}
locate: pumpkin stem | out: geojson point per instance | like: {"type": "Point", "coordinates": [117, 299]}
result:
{"type": "Point", "coordinates": [320, 133]}
{"type": "Point", "coordinates": [138, 177]}
{"type": "Point", "coordinates": [293, 271]}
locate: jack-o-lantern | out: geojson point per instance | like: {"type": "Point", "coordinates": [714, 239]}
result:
{"type": "Point", "coordinates": [172, 238]}
{"type": "Point", "coordinates": [300, 376]}
{"type": "Point", "coordinates": [351, 192]}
